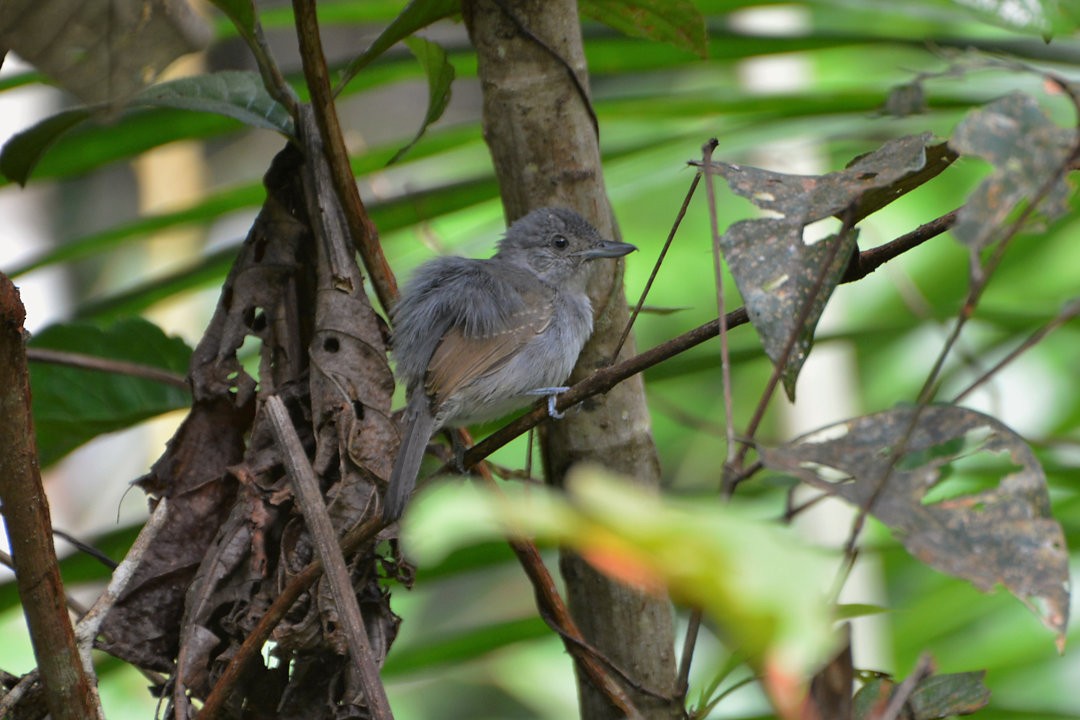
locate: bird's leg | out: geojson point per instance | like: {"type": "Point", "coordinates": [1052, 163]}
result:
{"type": "Point", "coordinates": [459, 449]}
{"type": "Point", "coordinates": [552, 393]}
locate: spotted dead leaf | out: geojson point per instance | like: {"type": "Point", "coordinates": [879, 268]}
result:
{"type": "Point", "coordinates": [891, 461]}
{"type": "Point", "coordinates": [1027, 149]}
{"type": "Point", "coordinates": [776, 271]}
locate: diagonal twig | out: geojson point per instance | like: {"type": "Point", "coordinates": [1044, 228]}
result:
{"type": "Point", "coordinates": [365, 235]}
{"type": "Point", "coordinates": [103, 364]}
{"type": "Point", "coordinates": [321, 529]}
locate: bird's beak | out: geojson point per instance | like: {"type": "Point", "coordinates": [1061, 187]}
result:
{"type": "Point", "coordinates": [607, 249]}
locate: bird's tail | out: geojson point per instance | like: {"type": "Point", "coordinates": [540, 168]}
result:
{"type": "Point", "coordinates": [418, 427]}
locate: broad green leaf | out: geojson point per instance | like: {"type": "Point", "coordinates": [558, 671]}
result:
{"type": "Point", "coordinates": [204, 212]}
{"type": "Point", "coordinates": [241, 13]}
{"type": "Point", "coordinates": [416, 15]}
{"type": "Point", "coordinates": [463, 646]}
{"type": "Point", "coordinates": [23, 150]}
{"type": "Point", "coordinates": [204, 272]}
{"type": "Point", "coordinates": [938, 696]}
{"type": "Point", "coordinates": [440, 75]}
{"type": "Point", "coordinates": [758, 582]}
{"type": "Point", "coordinates": [232, 93]}
{"type": "Point", "coordinates": [90, 146]}
{"type": "Point", "coordinates": [676, 22]}
{"type": "Point", "coordinates": [73, 405]}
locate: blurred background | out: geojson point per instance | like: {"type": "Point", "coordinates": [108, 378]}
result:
{"type": "Point", "coordinates": [141, 215]}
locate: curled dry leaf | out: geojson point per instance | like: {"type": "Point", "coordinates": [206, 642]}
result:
{"type": "Point", "coordinates": [889, 461]}
{"type": "Point", "coordinates": [776, 271]}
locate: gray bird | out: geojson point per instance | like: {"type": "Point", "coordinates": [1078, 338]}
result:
{"type": "Point", "coordinates": [477, 339]}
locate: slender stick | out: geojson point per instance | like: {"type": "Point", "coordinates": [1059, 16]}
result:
{"type": "Point", "coordinates": [109, 365]}
{"type": "Point", "coordinates": [718, 268]}
{"type": "Point", "coordinates": [321, 529]}
{"type": "Point", "coordinates": [365, 236]}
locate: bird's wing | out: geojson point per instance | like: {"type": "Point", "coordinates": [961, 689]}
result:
{"type": "Point", "coordinates": [460, 358]}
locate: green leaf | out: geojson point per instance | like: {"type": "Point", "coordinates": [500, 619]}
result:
{"type": "Point", "coordinates": [240, 12]}
{"type": "Point", "coordinates": [440, 75]}
{"type": "Point", "coordinates": [22, 152]}
{"type": "Point", "coordinates": [416, 15]}
{"type": "Point", "coordinates": [463, 646]}
{"type": "Point", "coordinates": [73, 405]}
{"type": "Point", "coordinates": [938, 696]}
{"type": "Point", "coordinates": [675, 22]}
{"type": "Point", "coordinates": [232, 93]}
{"type": "Point", "coordinates": [88, 147]}
{"type": "Point", "coordinates": [758, 582]}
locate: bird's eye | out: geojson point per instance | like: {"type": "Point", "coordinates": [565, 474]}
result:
{"type": "Point", "coordinates": [560, 242]}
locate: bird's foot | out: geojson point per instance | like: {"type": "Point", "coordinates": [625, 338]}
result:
{"type": "Point", "coordinates": [552, 393]}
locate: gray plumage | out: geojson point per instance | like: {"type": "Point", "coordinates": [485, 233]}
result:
{"type": "Point", "coordinates": [475, 339]}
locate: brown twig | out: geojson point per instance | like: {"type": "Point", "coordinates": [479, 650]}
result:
{"type": "Point", "coordinates": [718, 269]}
{"type": "Point", "coordinates": [555, 613]}
{"type": "Point", "coordinates": [256, 639]}
{"type": "Point", "coordinates": [321, 530]}
{"type": "Point", "coordinates": [924, 668]}
{"type": "Point", "coordinates": [86, 631]}
{"type": "Point", "coordinates": [978, 285]}
{"type": "Point", "coordinates": [1068, 313]}
{"type": "Point", "coordinates": [109, 365]}
{"type": "Point", "coordinates": [656, 266]}
{"type": "Point", "coordinates": [70, 692]}
{"type": "Point", "coordinates": [365, 235]}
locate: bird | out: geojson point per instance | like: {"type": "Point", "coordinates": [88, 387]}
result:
{"type": "Point", "coordinates": [476, 339]}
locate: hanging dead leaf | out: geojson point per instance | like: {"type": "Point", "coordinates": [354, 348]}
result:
{"type": "Point", "coordinates": [778, 273]}
{"type": "Point", "coordinates": [1026, 148]}
{"type": "Point", "coordinates": [891, 460]}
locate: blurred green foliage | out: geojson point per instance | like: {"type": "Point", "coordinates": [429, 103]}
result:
{"type": "Point", "coordinates": [793, 86]}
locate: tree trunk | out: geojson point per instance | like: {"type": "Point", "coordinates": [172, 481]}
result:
{"type": "Point", "coordinates": [543, 140]}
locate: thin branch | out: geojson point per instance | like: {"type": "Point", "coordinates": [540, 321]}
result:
{"type": "Point", "coordinates": [693, 627]}
{"type": "Point", "coordinates": [252, 646]}
{"type": "Point", "coordinates": [109, 365]}
{"type": "Point", "coordinates": [557, 616]}
{"type": "Point", "coordinates": [718, 269]}
{"type": "Point", "coordinates": [1070, 311]}
{"type": "Point", "coordinates": [321, 530]}
{"type": "Point", "coordinates": [90, 624]}
{"type": "Point", "coordinates": [365, 236]}
{"type": "Point", "coordinates": [924, 668]}
{"type": "Point", "coordinates": [979, 283]}
{"type": "Point", "coordinates": [656, 266]}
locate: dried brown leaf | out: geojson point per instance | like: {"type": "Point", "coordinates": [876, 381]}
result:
{"type": "Point", "coordinates": [889, 461]}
